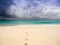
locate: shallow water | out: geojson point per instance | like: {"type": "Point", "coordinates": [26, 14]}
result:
{"type": "Point", "coordinates": [5, 22]}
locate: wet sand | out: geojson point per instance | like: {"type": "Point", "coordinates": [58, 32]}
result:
{"type": "Point", "coordinates": [37, 35]}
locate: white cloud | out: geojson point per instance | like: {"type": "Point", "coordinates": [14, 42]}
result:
{"type": "Point", "coordinates": [42, 10]}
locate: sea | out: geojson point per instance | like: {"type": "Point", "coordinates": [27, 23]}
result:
{"type": "Point", "coordinates": [19, 22]}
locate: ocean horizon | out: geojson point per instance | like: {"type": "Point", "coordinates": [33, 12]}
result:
{"type": "Point", "coordinates": [16, 22]}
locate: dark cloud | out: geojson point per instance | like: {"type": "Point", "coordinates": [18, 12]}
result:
{"type": "Point", "coordinates": [58, 1]}
{"type": "Point", "coordinates": [4, 6]}
{"type": "Point", "coordinates": [30, 8]}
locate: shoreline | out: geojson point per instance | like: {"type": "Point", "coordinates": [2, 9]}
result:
{"type": "Point", "coordinates": [29, 25]}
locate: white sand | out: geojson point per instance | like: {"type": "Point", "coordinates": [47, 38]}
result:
{"type": "Point", "coordinates": [38, 34]}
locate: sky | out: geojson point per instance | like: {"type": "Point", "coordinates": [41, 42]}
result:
{"type": "Point", "coordinates": [30, 9]}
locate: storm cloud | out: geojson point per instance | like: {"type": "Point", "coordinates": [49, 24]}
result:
{"type": "Point", "coordinates": [32, 9]}
{"type": "Point", "coordinates": [4, 6]}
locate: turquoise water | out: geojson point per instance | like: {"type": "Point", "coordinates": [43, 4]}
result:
{"type": "Point", "coordinates": [11, 22]}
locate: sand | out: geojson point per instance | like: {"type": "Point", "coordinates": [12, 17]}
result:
{"type": "Point", "coordinates": [37, 35]}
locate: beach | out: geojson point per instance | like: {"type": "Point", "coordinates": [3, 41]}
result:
{"type": "Point", "coordinates": [37, 35]}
